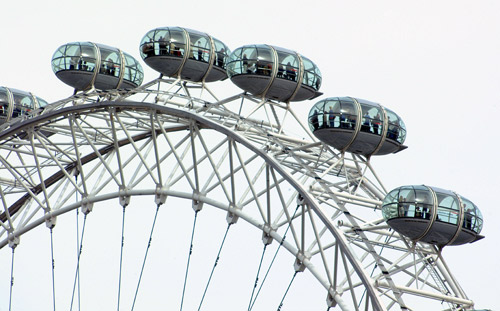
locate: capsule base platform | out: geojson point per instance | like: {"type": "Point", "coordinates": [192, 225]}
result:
{"type": "Point", "coordinates": [365, 143]}
{"type": "Point", "coordinates": [440, 233]}
{"type": "Point", "coordinates": [192, 70]}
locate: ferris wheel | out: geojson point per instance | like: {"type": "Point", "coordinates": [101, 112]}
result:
{"type": "Point", "coordinates": [163, 195]}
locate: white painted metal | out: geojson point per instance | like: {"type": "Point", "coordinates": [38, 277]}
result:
{"type": "Point", "coordinates": [171, 139]}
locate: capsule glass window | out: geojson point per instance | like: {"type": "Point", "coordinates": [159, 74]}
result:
{"type": "Point", "coordinates": [200, 46]}
{"type": "Point", "coordinates": [396, 129]}
{"type": "Point", "coordinates": [288, 65]}
{"type": "Point", "coordinates": [110, 62]}
{"type": "Point", "coordinates": [133, 70]}
{"type": "Point", "coordinates": [371, 118]}
{"type": "Point", "coordinates": [473, 219]}
{"type": "Point", "coordinates": [221, 54]}
{"type": "Point", "coordinates": [420, 201]}
{"type": "Point", "coordinates": [66, 57]}
{"type": "Point", "coordinates": [408, 201]}
{"type": "Point", "coordinates": [312, 76]}
{"type": "Point", "coordinates": [147, 44]}
{"type": "Point", "coordinates": [177, 42]}
{"type": "Point", "coordinates": [448, 206]}
{"type": "Point", "coordinates": [390, 204]}
{"type": "Point", "coordinates": [316, 115]}
{"type": "Point", "coordinates": [160, 39]}
{"type": "Point", "coordinates": [332, 111]}
{"type": "Point", "coordinates": [348, 114]}
{"type": "Point", "coordinates": [264, 62]}
{"type": "Point", "coordinates": [23, 103]}
{"type": "Point", "coordinates": [250, 60]}
{"type": "Point", "coordinates": [88, 60]}
{"type": "Point", "coordinates": [4, 103]}
{"type": "Point", "coordinates": [41, 103]}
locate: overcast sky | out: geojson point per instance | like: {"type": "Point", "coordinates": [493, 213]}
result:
{"type": "Point", "coordinates": [435, 63]}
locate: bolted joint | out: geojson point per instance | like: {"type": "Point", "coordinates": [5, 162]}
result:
{"type": "Point", "coordinates": [232, 217]}
{"type": "Point", "coordinates": [197, 204]}
{"type": "Point", "coordinates": [86, 205]}
{"type": "Point", "coordinates": [13, 241]}
{"type": "Point", "coordinates": [266, 235]}
{"type": "Point", "coordinates": [299, 265]}
{"type": "Point", "coordinates": [160, 195]}
{"type": "Point", "coordinates": [330, 298]}
{"type": "Point", "coordinates": [300, 199]}
{"type": "Point", "coordinates": [50, 221]}
{"type": "Point", "coordinates": [124, 197]}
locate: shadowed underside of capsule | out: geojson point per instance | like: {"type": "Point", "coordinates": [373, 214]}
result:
{"type": "Point", "coordinates": [274, 73]}
{"type": "Point", "coordinates": [84, 65]}
{"type": "Point", "coordinates": [357, 126]}
{"type": "Point", "coordinates": [432, 215]}
{"type": "Point", "coordinates": [185, 53]}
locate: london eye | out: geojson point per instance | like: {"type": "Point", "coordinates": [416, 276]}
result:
{"type": "Point", "coordinates": [243, 202]}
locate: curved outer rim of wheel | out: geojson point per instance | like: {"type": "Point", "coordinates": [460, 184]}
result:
{"type": "Point", "coordinates": [187, 115]}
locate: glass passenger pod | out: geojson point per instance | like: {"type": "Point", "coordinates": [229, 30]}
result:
{"type": "Point", "coordinates": [84, 65]}
{"type": "Point", "coordinates": [357, 126]}
{"type": "Point", "coordinates": [432, 215]}
{"type": "Point", "coordinates": [15, 104]}
{"type": "Point", "coordinates": [190, 54]}
{"type": "Point", "coordinates": [274, 73]}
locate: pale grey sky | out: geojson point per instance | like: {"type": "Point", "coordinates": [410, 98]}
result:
{"type": "Point", "coordinates": [435, 63]}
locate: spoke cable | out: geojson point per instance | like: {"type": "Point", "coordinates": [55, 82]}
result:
{"type": "Point", "coordinates": [189, 259]}
{"type": "Point", "coordinates": [11, 278]}
{"type": "Point", "coordinates": [77, 242]}
{"type": "Point", "coordinates": [215, 265]}
{"type": "Point", "coordinates": [146, 255]}
{"type": "Point", "coordinates": [373, 270]}
{"type": "Point", "coordinates": [274, 257]}
{"type": "Point", "coordinates": [287, 289]}
{"type": "Point", "coordinates": [77, 273]}
{"type": "Point", "coordinates": [257, 276]}
{"type": "Point", "coordinates": [121, 257]}
{"type": "Point", "coordinates": [53, 267]}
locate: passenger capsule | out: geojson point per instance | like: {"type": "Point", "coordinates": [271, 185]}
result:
{"type": "Point", "coordinates": [84, 65]}
{"type": "Point", "coordinates": [357, 126]}
{"type": "Point", "coordinates": [432, 215]}
{"type": "Point", "coordinates": [15, 103]}
{"type": "Point", "coordinates": [274, 73]}
{"type": "Point", "coordinates": [185, 53]}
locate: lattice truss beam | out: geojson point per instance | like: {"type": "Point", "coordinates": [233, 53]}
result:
{"type": "Point", "coordinates": [164, 139]}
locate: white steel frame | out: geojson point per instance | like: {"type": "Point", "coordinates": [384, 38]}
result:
{"type": "Point", "coordinates": [172, 138]}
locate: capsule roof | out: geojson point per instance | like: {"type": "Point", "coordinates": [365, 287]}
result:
{"type": "Point", "coordinates": [185, 53]}
{"type": "Point", "coordinates": [15, 103]}
{"type": "Point", "coordinates": [84, 65]}
{"type": "Point", "coordinates": [274, 73]}
{"type": "Point", "coordinates": [357, 126]}
{"type": "Point", "coordinates": [432, 215]}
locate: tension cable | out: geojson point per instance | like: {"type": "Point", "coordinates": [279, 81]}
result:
{"type": "Point", "coordinates": [146, 255]}
{"type": "Point", "coordinates": [215, 265]}
{"type": "Point", "coordinates": [53, 267]}
{"type": "Point", "coordinates": [257, 276]}
{"type": "Point", "coordinates": [189, 259]}
{"type": "Point", "coordinates": [77, 273]}
{"type": "Point", "coordinates": [121, 257]}
{"type": "Point", "coordinates": [11, 278]}
{"type": "Point", "coordinates": [274, 257]}
{"type": "Point", "coordinates": [286, 292]}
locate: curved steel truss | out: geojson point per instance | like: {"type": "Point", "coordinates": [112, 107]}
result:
{"type": "Point", "coordinates": [172, 140]}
